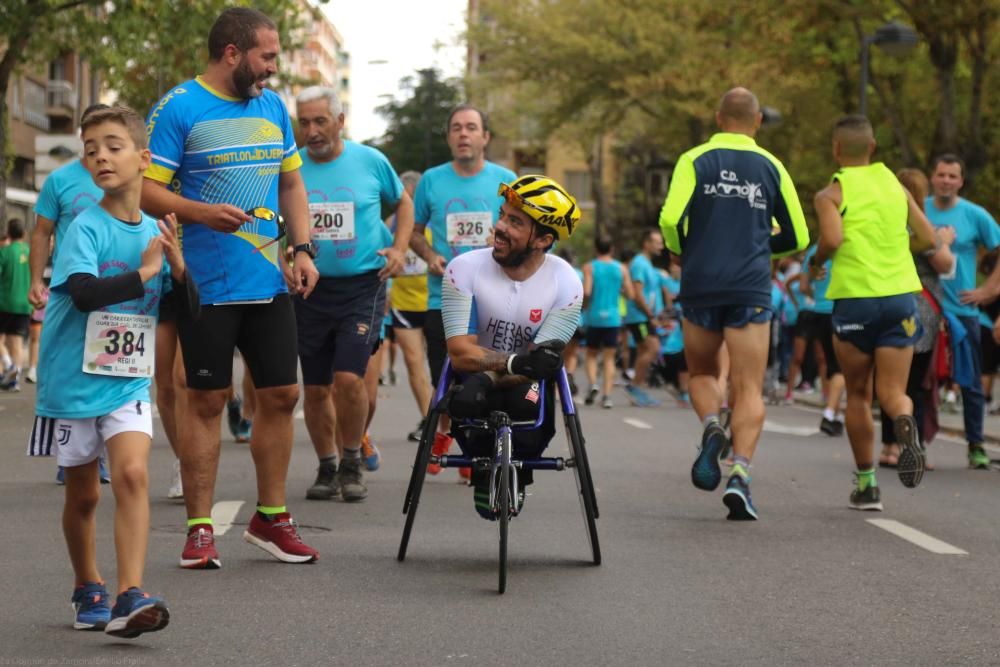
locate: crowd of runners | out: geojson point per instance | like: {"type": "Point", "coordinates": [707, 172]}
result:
{"type": "Point", "coordinates": [202, 237]}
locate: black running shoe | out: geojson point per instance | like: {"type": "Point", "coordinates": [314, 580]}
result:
{"type": "Point", "coordinates": [417, 433]}
{"type": "Point", "coordinates": [912, 458]}
{"type": "Point", "coordinates": [591, 395]}
{"type": "Point", "coordinates": [737, 499]}
{"type": "Point", "coordinates": [706, 473]}
{"type": "Point", "coordinates": [828, 426]}
{"type": "Point", "coordinates": [868, 500]}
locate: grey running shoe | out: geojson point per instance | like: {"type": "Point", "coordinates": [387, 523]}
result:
{"type": "Point", "coordinates": [911, 453]}
{"type": "Point", "coordinates": [870, 499]}
{"type": "Point", "coordinates": [606, 403]}
{"type": "Point", "coordinates": [351, 481]}
{"type": "Point", "coordinates": [326, 485]}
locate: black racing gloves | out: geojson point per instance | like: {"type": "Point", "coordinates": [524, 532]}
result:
{"type": "Point", "coordinates": [542, 363]}
{"type": "Point", "coordinates": [469, 399]}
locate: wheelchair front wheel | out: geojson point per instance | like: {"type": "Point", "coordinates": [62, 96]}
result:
{"type": "Point", "coordinates": [504, 502]}
{"type": "Point", "coordinates": [584, 485]}
{"type": "Point", "coordinates": [417, 479]}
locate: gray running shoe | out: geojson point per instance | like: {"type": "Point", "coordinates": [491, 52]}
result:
{"type": "Point", "coordinates": [870, 499]}
{"type": "Point", "coordinates": [326, 485]}
{"type": "Point", "coordinates": [911, 453]}
{"type": "Point", "coordinates": [351, 481]}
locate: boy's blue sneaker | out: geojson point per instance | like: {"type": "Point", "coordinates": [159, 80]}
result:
{"type": "Point", "coordinates": [233, 415]}
{"type": "Point", "coordinates": [244, 430]}
{"type": "Point", "coordinates": [102, 470]}
{"type": "Point", "coordinates": [90, 604]}
{"type": "Point", "coordinates": [61, 476]}
{"type": "Point", "coordinates": [136, 612]}
{"type": "Point", "coordinates": [737, 499]}
{"type": "Point", "coordinates": [706, 473]}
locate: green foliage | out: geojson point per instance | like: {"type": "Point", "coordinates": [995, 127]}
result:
{"type": "Point", "coordinates": [416, 137]}
{"type": "Point", "coordinates": [649, 73]}
{"type": "Point", "coordinates": [147, 46]}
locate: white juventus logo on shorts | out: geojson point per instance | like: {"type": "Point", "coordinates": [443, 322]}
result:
{"type": "Point", "coordinates": [65, 431]}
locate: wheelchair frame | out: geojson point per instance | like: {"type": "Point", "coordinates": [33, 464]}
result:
{"type": "Point", "coordinates": [505, 499]}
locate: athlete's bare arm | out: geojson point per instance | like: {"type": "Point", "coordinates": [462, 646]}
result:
{"type": "Point", "coordinates": [38, 257]}
{"type": "Point", "coordinates": [468, 357]}
{"type": "Point", "coordinates": [588, 283]}
{"type": "Point", "coordinates": [831, 226]}
{"type": "Point", "coordinates": [395, 256]}
{"type": "Point", "coordinates": [419, 245]}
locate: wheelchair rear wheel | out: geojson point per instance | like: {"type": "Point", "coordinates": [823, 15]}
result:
{"type": "Point", "coordinates": [584, 484]}
{"type": "Point", "coordinates": [504, 501]}
{"type": "Point", "coordinates": [417, 478]}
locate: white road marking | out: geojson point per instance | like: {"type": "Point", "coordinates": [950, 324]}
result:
{"type": "Point", "coordinates": [301, 414]}
{"type": "Point", "coordinates": [638, 423]}
{"type": "Point", "coordinates": [774, 427]}
{"type": "Point", "coordinates": [223, 514]}
{"type": "Point", "coordinates": [922, 540]}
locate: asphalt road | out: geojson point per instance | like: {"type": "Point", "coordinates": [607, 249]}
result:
{"type": "Point", "coordinates": [811, 583]}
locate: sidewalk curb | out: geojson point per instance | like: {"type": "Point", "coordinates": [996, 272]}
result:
{"type": "Point", "coordinates": [816, 401]}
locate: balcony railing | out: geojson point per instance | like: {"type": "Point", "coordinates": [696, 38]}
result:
{"type": "Point", "coordinates": [60, 98]}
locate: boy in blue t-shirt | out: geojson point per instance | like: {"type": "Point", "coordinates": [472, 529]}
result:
{"type": "Point", "coordinates": [93, 390]}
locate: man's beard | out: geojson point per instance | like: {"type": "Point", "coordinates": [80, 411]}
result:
{"type": "Point", "coordinates": [515, 258]}
{"type": "Point", "coordinates": [245, 81]}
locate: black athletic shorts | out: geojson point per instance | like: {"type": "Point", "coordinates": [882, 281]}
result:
{"type": "Point", "coordinates": [602, 337]}
{"type": "Point", "coordinates": [408, 319]}
{"type": "Point", "coordinates": [819, 327]}
{"type": "Point", "coordinates": [263, 332]}
{"type": "Point", "coordinates": [339, 325]}
{"type": "Point", "coordinates": [640, 331]}
{"type": "Point", "coordinates": [521, 403]}
{"type": "Point", "coordinates": [14, 324]}
{"type": "Point", "coordinates": [437, 347]}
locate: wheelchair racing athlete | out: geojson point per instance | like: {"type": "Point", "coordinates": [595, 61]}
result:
{"type": "Point", "coordinates": [508, 311]}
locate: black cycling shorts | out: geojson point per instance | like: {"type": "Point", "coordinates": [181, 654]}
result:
{"type": "Point", "coordinates": [264, 333]}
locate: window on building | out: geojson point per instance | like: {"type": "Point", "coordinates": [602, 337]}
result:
{"type": "Point", "coordinates": [35, 105]}
{"type": "Point", "coordinates": [577, 182]}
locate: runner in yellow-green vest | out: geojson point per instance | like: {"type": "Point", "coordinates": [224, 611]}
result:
{"type": "Point", "coordinates": [869, 225]}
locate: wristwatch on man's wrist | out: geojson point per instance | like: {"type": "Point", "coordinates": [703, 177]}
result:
{"type": "Point", "coordinates": [308, 248]}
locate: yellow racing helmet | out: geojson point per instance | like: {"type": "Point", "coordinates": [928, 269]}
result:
{"type": "Point", "coordinates": [544, 201]}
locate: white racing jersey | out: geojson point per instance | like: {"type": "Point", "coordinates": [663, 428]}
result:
{"type": "Point", "coordinates": [505, 315]}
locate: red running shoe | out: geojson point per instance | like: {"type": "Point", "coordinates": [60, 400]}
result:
{"type": "Point", "coordinates": [199, 550]}
{"type": "Point", "coordinates": [280, 538]}
{"type": "Point", "coordinates": [442, 443]}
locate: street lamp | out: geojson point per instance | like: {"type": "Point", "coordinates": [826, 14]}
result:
{"type": "Point", "coordinates": [896, 39]}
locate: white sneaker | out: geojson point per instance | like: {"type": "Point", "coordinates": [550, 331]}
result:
{"type": "Point", "coordinates": [176, 489]}
{"type": "Point", "coordinates": [32, 375]}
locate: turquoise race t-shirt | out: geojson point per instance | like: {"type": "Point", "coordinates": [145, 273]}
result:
{"type": "Point", "coordinates": [642, 270]}
{"type": "Point", "coordinates": [345, 208]}
{"type": "Point", "coordinates": [213, 148]}
{"type": "Point", "coordinates": [460, 212]}
{"type": "Point", "coordinates": [66, 193]}
{"type": "Point", "coordinates": [99, 245]}
{"type": "Point", "coordinates": [603, 309]}
{"type": "Point", "coordinates": [820, 304]}
{"type": "Point", "coordinates": [974, 227]}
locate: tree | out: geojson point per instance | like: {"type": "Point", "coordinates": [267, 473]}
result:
{"type": "Point", "coordinates": [141, 46]}
{"type": "Point", "coordinates": [649, 73]}
{"type": "Point", "coordinates": [416, 137]}
{"type": "Point", "coordinates": [148, 46]}
{"type": "Point", "coordinates": [31, 30]}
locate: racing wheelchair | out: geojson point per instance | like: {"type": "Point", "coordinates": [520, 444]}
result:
{"type": "Point", "coordinates": [506, 496]}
